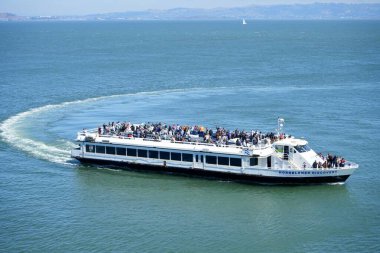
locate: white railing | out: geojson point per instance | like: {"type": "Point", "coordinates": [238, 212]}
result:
{"type": "Point", "coordinates": [258, 146]}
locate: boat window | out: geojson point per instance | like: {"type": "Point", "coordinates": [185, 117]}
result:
{"type": "Point", "coordinates": [100, 149]}
{"type": "Point", "coordinates": [302, 148]}
{"type": "Point", "coordinates": [142, 153]}
{"type": "Point", "coordinates": [269, 161]}
{"type": "Point", "coordinates": [153, 154]}
{"type": "Point", "coordinates": [253, 161]}
{"type": "Point", "coordinates": [110, 150]}
{"type": "Point", "coordinates": [121, 151]}
{"type": "Point", "coordinates": [90, 148]}
{"type": "Point", "coordinates": [201, 158]}
{"type": "Point", "coordinates": [164, 155]}
{"type": "Point", "coordinates": [279, 148]}
{"type": "Point", "coordinates": [196, 158]}
{"type": "Point", "coordinates": [131, 152]}
{"type": "Point", "coordinates": [176, 156]}
{"type": "Point", "coordinates": [210, 159]}
{"type": "Point", "coordinates": [235, 162]}
{"type": "Point", "coordinates": [222, 160]}
{"type": "Point", "coordinates": [186, 157]}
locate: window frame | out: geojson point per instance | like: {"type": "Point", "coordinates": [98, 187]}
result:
{"type": "Point", "coordinates": [166, 154]}
{"type": "Point", "coordinates": [226, 160]}
{"type": "Point", "coordinates": [142, 153]}
{"type": "Point", "coordinates": [256, 159]}
{"type": "Point", "coordinates": [177, 156]}
{"type": "Point", "coordinates": [121, 153]}
{"type": "Point", "coordinates": [156, 156]}
{"type": "Point", "coordinates": [90, 148]}
{"type": "Point", "coordinates": [100, 147]}
{"type": "Point", "coordinates": [132, 152]}
{"type": "Point", "coordinates": [232, 163]}
{"type": "Point", "coordinates": [110, 147]}
{"type": "Point", "coordinates": [188, 156]}
{"type": "Point", "coordinates": [210, 159]}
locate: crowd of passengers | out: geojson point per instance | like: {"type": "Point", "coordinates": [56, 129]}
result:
{"type": "Point", "coordinates": [218, 136]}
{"type": "Point", "coordinates": [330, 161]}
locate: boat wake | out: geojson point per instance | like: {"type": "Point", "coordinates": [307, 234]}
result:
{"type": "Point", "coordinates": [11, 133]}
{"type": "Point", "coordinates": [14, 132]}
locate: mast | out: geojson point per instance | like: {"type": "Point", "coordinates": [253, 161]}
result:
{"type": "Point", "coordinates": [280, 125]}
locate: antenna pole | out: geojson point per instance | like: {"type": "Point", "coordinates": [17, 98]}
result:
{"type": "Point", "coordinates": [280, 125]}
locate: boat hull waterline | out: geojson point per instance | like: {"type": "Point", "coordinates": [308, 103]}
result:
{"type": "Point", "coordinates": [225, 176]}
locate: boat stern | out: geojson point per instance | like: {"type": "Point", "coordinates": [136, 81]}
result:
{"type": "Point", "coordinates": [76, 153]}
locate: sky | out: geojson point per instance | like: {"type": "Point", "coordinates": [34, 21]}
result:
{"type": "Point", "coordinates": [81, 7]}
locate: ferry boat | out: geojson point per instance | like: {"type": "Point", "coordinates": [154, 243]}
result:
{"type": "Point", "coordinates": [265, 159]}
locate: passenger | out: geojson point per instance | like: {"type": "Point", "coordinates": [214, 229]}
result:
{"type": "Point", "coordinates": [177, 132]}
{"type": "Point", "coordinates": [342, 162]}
{"type": "Point", "coordinates": [315, 164]}
{"type": "Point", "coordinates": [329, 160]}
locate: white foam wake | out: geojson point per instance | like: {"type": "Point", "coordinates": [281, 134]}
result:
{"type": "Point", "coordinates": [11, 133]}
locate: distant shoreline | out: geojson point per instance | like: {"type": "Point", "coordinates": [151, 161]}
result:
{"type": "Point", "coordinates": [187, 21]}
{"type": "Point", "coordinates": [315, 11]}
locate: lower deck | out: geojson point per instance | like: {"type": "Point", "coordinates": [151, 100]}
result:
{"type": "Point", "coordinates": [277, 177]}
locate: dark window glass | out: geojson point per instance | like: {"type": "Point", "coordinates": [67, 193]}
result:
{"type": "Point", "coordinates": [196, 158]}
{"type": "Point", "coordinates": [110, 150]}
{"type": "Point", "coordinates": [187, 157]}
{"type": "Point", "coordinates": [210, 159]}
{"type": "Point", "coordinates": [164, 155]}
{"type": "Point", "coordinates": [153, 154]}
{"type": "Point", "coordinates": [269, 161]}
{"type": "Point", "coordinates": [222, 160]}
{"type": "Point", "coordinates": [142, 153]}
{"type": "Point", "coordinates": [254, 161]}
{"type": "Point", "coordinates": [121, 151]}
{"type": "Point", "coordinates": [100, 149]}
{"type": "Point", "coordinates": [131, 152]}
{"type": "Point", "coordinates": [176, 156]}
{"type": "Point", "coordinates": [90, 148]}
{"type": "Point", "coordinates": [302, 148]}
{"type": "Point", "coordinates": [201, 158]}
{"type": "Point", "coordinates": [235, 162]}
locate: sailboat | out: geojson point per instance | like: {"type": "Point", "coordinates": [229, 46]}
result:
{"type": "Point", "coordinates": [244, 23]}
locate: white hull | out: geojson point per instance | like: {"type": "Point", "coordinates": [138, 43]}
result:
{"type": "Point", "coordinates": [278, 175]}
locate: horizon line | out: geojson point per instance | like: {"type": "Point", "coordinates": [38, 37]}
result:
{"type": "Point", "coordinates": [187, 8]}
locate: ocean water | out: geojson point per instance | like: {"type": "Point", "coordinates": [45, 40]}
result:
{"type": "Point", "coordinates": [56, 78]}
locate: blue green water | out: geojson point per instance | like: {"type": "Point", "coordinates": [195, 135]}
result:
{"type": "Point", "coordinates": [323, 77]}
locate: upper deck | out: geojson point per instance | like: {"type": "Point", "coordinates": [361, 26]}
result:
{"type": "Point", "coordinates": [262, 148]}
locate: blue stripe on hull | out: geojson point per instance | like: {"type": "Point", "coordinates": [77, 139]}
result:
{"type": "Point", "coordinates": [219, 175]}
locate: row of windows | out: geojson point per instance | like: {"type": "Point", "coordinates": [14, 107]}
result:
{"type": "Point", "coordinates": [164, 155]}
{"type": "Point", "coordinates": [222, 160]}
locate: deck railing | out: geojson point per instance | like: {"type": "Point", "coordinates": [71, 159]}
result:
{"type": "Point", "coordinates": [258, 146]}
